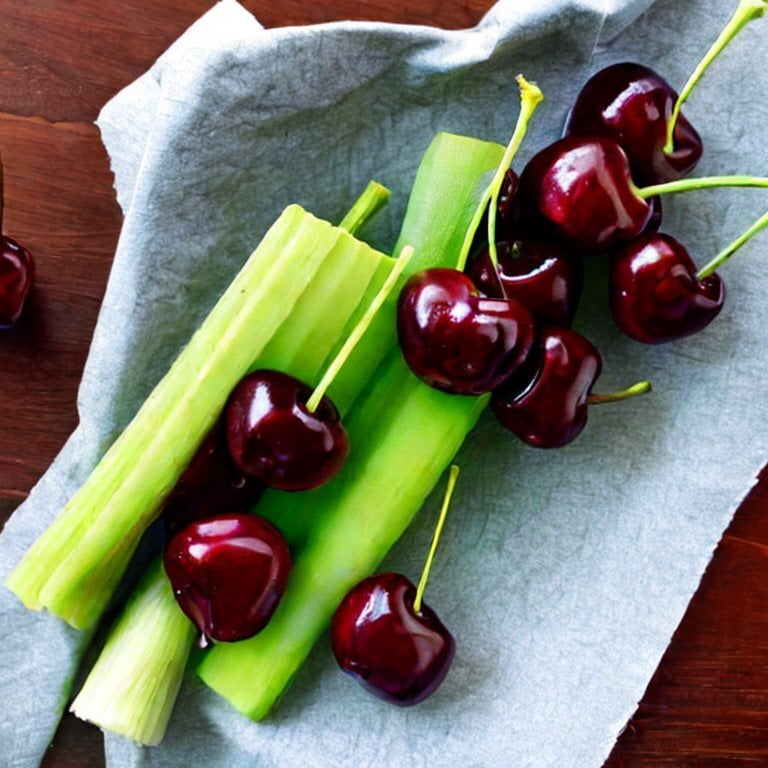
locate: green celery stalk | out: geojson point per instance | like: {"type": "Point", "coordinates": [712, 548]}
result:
{"type": "Point", "coordinates": [133, 685]}
{"type": "Point", "coordinates": [73, 568]}
{"type": "Point", "coordinates": [403, 435]}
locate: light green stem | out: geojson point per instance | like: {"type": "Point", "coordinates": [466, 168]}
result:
{"type": "Point", "coordinates": [354, 338]}
{"type": "Point", "coordinates": [726, 253]}
{"type": "Point", "coordinates": [641, 388]}
{"type": "Point", "coordinates": [746, 11]}
{"type": "Point", "coordinates": [374, 198]}
{"type": "Point", "coordinates": [452, 477]}
{"type": "Point", "coordinates": [530, 98]}
{"type": "Point", "coordinates": [707, 182]}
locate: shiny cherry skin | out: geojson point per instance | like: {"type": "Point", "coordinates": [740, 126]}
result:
{"type": "Point", "coordinates": [228, 574]}
{"type": "Point", "coordinates": [579, 189]}
{"type": "Point", "coordinates": [395, 653]}
{"type": "Point", "coordinates": [210, 485]}
{"type": "Point", "coordinates": [549, 410]}
{"type": "Point", "coordinates": [538, 273]}
{"type": "Point", "coordinates": [455, 339]}
{"type": "Point", "coordinates": [654, 294]}
{"type": "Point", "coordinates": [632, 105]}
{"type": "Point", "coordinates": [16, 273]}
{"type": "Point", "coordinates": [274, 438]}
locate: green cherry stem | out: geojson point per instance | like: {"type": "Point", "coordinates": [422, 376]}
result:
{"type": "Point", "coordinates": [452, 477]}
{"type": "Point", "coordinates": [530, 98]}
{"type": "Point", "coordinates": [359, 330]}
{"type": "Point", "coordinates": [641, 388]}
{"type": "Point", "coordinates": [746, 11]}
{"type": "Point", "coordinates": [726, 253]}
{"type": "Point", "coordinates": [706, 182]}
{"type": "Point", "coordinates": [374, 198]}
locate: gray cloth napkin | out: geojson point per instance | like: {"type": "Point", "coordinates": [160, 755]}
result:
{"type": "Point", "coordinates": [563, 574]}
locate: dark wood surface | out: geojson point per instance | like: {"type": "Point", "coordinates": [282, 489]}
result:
{"type": "Point", "coordinates": [707, 704]}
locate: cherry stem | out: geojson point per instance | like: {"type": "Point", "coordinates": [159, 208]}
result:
{"type": "Point", "coordinates": [452, 477]}
{"type": "Point", "coordinates": [707, 182]}
{"type": "Point", "coordinates": [641, 388]}
{"type": "Point", "coordinates": [359, 330]}
{"type": "Point", "coordinates": [746, 11]}
{"type": "Point", "coordinates": [726, 253]}
{"type": "Point", "coordinates": [530, 98]}
{"type": "Point", "coordinates": [374, 198]}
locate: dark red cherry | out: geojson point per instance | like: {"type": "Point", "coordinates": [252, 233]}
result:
{"type": "Point", "coordinates": [210, 485]}
{"type": "Point", "coordinates": [16, 273]}
{"type": "Point", "coordinates": [457, 340]}
{"type": "Point", "coordinates": [274, 438]}
{"type": "Point", "coordinates": [654, 293]}
{"type": "Point", "coordinates": [228, 574]}
{"type": "Point", "coordinates": [549, 409]}
{"type": "Point", "coordinates": [538, 273]}
{"type": "Point", "coordinates": [395, 653]}
{"type": "Point", "coordinates": [580, 190]}
{"type": "Point", "coordinates": [632, 105]}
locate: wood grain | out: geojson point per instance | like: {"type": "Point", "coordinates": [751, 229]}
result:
{"type": "Point", "coordinates": [707, 704]}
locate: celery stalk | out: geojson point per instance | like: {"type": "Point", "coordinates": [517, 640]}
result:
{"type": "Point", "coordinates": [124, 676]}
{"type": "Point", "coordinates": [132, 687]}
{"type": "Point", "coordinates": [403, 435]}
{"type": "Point", "coordinates": [73, 568]}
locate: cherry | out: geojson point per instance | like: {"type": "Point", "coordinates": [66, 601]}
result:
{"type": "Point", "coordinates": [655, 294]}
{"type": "Point", "coordinates": [538, 273]}
{"type": "Point", "coordinates": [632, 105]}
{"type": "Point", "coordinates": [635, 106]}
{"type": "Point", "coordinates": [507, 212]}
{"type": "Point", "coordinates": [211, 484]}
{"type": "Point", "coordinates": [550, 410]}
{"type": "Point", "coordinates": [275, 438]}
{"type": "Point", "coordinates": [456, 340]}
{"type": "Point", "coordinates": [579, 189]}
{"type": "Point", "coordinates": [16, 272]}
{"type": "Point", "coordinates": [394, 652]}
{"type": "Point", "coordinates": [388, 639]}
{"type": "Point", "coordinates": [228, 574]}
{"type": "Point", "coordinates": [546, 406]}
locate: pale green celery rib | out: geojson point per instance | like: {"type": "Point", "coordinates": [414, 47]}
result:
{"type": "Point", "coordinates": [133, 685]}
{"type": "Point", "coordinates": [73, 567]}
{"type": "Point", "coordinates": [138, 704]}
{"type": "Point", "coordinates": [402, 436]}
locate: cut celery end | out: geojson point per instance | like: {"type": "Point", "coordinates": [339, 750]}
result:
{"type": "Point", "coordinates": [75, 565]}
{"type": "Point", "coordinates": [133, 685]}
{"type": "Point", "coordinates": [402, 435]}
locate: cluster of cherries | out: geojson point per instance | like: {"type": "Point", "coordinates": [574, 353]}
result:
{"type": "Point", "coordinates": [503, 327]}
{"type": "Point", "coordinates": [17, 270]}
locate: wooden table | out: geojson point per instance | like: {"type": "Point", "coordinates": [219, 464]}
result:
{"type": "Point", "coordinates": [707, 704]}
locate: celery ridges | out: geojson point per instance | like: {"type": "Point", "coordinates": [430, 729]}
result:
{"type": "Point", "coordinates": [72, 569]}
{"type": "Point", "coordinates": [403, 435]}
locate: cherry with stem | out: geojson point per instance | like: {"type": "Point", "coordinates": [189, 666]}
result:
{"type": "Point", "coordinates": [657, 294]}
{"type": "Point", "coordinates": [387, 638]}
{"type": "Point", "coordinates": [580, 189]}
{"type": "Point", "coordinates": [283, 433]}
